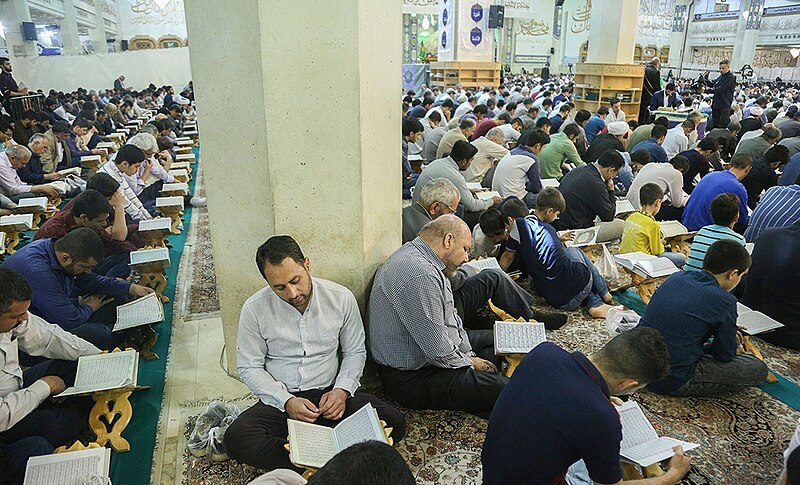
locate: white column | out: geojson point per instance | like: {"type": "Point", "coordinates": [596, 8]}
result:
{"type": "Point", "coordinates": [13, 13]}
{"type": "Point", "coordinates": [747, 29]}
{"type": "Point", "coordinates": [321, 164]}
{"type": "Point", "coordinates": [678, 38]}
{"type": "Point", "coordinates": [99, 32]}
{"type": "Point", "coordinates": [68, 29]}
{"type": "Point", "coordinates": [612, 36]}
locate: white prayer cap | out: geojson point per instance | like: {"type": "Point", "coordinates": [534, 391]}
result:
{"type": "Point", "coordinates": [618, 128]}
{"type": "Point", "coordinates": [756, 111]}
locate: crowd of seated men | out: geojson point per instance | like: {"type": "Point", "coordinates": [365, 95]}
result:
{"type": "Point", "coordinates": [60, 290]}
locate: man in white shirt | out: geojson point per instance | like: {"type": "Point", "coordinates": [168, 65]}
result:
{"type": "Point", "coordinates": [13, 158]}
{"type": "Point", "coordinates": [668, 176]}
{"type": "Point", "coordinates": [518, 173]}
{"type": "Point", "coordinates": [677, 139]}
{"type": "Point", "coordinates": [28, 425]}
{"type": "Point", "coordinates": [127, 161]}
{"type": "Point", "coordinates": [490, 148]}
{"type": "Point", "coordinates": [615, 113]}
{"type": "Point", "coordinates": [465, 106]}
{"type": "Point", "coordinates": [290, 334]}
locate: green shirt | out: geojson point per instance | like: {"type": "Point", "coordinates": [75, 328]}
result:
{"type": "Point", "coordinates": [555, 153]}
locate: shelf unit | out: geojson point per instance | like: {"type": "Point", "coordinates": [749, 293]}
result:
{"type": "Point", "coordinates": [471, 75]}
{"type": "Point", "coordinates": [596, 84]}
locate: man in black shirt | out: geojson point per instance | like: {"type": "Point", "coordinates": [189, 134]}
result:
{"type": "Point", "coordinates": [763, 176]}
{"type": "Point", "coordinates": [8, 86]}
{"type": "Point", "coordinates": [722, 88]}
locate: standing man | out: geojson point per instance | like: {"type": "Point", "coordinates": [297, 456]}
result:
{"type": "Point", "coordinates": [290, 335]}
{"type": "Point", "coordinates": [8, 86]}
{"type": "Point", "coordinates": [722, 88]}
{"type": "Point", "coordinates": [652, 83]}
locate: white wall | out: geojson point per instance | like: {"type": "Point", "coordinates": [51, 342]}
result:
{"type": "Point", "coordinates": [140, 68]}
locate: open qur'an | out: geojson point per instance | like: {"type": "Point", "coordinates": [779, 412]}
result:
{"type": "Point", "coordinates": [70, 468]}
{"type": "Point", "coordinates": [104, 372]}
{"type": "Point", "coordinates": [517, 337]}
{"type": "Point", "coordinates": [313, 445]}
{"type": "Point", "coordinates": [640, 442]}
{"type": "Point", "coordinates": [139, 312]}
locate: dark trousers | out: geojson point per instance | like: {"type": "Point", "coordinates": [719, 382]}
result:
{"type": "Point", "coordinates": [472, 296]}
{"type": "Point", "coordinates": [48, 426]}
{"type": "Point", "coordinates": [259, 433]}
{"type": "Point", "coordinates": [463, 389]}
{"type": "Point", "coordinates": [669, 213]}
{"type": "Point", "coordinates": [114, 266]}
{"type": "Point", "coordinates": [148, 196]}
{"type": "Point", "coordinates": [712, 377]}
{"type": "Point", "coordinates": [721, 117]}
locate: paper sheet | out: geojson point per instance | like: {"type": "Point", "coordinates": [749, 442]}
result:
{"type": "Point", "coordinates": [362, 425]}
{"type": "Point", "coordinates": [517, 337]}
{"type": "Point", "coordinates": [310, 444]}
{"type": "Point", "coordinates": [104, 371]}
{"type": "Point", "coordinates": [157, 224]}
{"type": "Point", "coordinates": [67, 468]}
{"type": "Point", "coordinates": [482, 264]}
{"type": "Point", "coordinates": [149, 256]}
{"type": "Point", "coordinates": [139, 312]}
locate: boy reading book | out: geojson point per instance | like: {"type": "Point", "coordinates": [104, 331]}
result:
{"type": "Point", "coordinates": [642, 232]}
{"type": "Point", "coordinates": [567, 279]}
{"type": "Point", "coordinates": [725, 213]}
{"type": "Point", "coordinates": [690, 308]}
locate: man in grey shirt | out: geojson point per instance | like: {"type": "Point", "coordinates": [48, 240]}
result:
{"type": "Point", "coordinates": [427, 359]}
{"type": "Point", "coordinates": [290, 337]}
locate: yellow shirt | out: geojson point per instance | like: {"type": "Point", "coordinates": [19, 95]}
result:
{"type": "Point", "coordinates": [642, 233]}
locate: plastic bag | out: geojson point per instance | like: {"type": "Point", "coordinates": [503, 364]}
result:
{"type": "Point", "coordinates": [619, 321]}
{"type": "Point", "coordinates": [205, 440]}
{"type": "Point", "coordinates": [607, 266]}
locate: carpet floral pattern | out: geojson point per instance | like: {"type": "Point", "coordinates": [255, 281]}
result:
{"type": "Point", "coordinates": [203, 290]}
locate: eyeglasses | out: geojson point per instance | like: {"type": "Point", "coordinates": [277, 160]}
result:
{"type": "Point", "coordinates": [452, 211]}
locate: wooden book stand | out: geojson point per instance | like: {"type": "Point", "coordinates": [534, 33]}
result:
{"type": "Point", "coordinates": [633, 472]}
{"type": "Point", "coordinates": [680, 243]}
{"type": "Point", "coordinates": [746, 346]}
{"type": "Point", "coordinates": [644, 286]}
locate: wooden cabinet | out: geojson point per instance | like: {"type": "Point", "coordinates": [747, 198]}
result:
{"type": "Point", "coordinates": [471, 75]}
{"type": "Point", "coordinates": [597, 84]}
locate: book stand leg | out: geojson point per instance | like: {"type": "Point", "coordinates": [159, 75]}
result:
{"type": "Point", "coordinates": [746, 346]}
{"type": "Point", "coordinates": [589, 250]}
{"type": "Point", "coordinates": [680, 244]}
{"type": "Point", "coordinates": [175, 214]}
{"type": "Point", "coordinates": [143, 339]}
{"type": "Point", "coordinates": [77, 446]}
{"type": "Point", "coordinates": [55, 201]}
{"type": "Point", "coordinates": [153, 239]}
{"type": "Point", "coordinates": [110, 416]}
{"type": "Point", "coordinates": [632, 472]}
{"type": "Point", "coordinates": [156, 279]}
{"type": "Point", "coordinates": [644, 286]}
{"type": "Point", "coordinates": [12, 239]}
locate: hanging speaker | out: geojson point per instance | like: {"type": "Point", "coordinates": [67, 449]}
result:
{"type": "Point", "coordinates": [124, 44]}
{"type": "Point", "coordinates": [496, 15]}
{"type": "Point", "coordinates": [559, 3]}
{"type": "Point", "coordinates": [29, 31]}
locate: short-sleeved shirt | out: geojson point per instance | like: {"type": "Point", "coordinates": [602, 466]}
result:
{"type": "Point", "coordinates": [641, 233]}
{"type": "Point", "coordinates": [554, 411]}
{"type": "Point", "coordinates": [703, 240]}
{"type": "Point", "coordinates": [556, 277]}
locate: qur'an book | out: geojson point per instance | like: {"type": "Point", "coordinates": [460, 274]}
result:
{"type": "Point", "coordinates": [144, 256]}
{"type": "Point", "coordinates": [517, 337]}
{"type": "Point", "coordinates": [104, 372]}
{"type": "Point", "coordinates": [70, 468]}
{"type": "Point", "coordinates": [162, 224]}
{"type": "Point", "coordinates": [640, 442]}
{"type": "Point", "coordinates": [141, 311]}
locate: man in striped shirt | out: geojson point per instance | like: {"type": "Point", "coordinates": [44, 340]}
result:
{"type": "Point", "coordinates": [779, 207]}
{"type": "Point", "coordinates": [127, 161]}
{"type": "Point", "coordinates": [427, 359]}
{"type": "Point", "coordinates": [725, 213]}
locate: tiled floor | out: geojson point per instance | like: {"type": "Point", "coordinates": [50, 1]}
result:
{"type": "Point", "coordinates": [194, 376]}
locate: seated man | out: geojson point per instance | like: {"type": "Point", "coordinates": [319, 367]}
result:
{"type": "Point", "coordinates": [757, 146]}
{"type": "Point", "coordinates": [565, 279]}
{"type": "Point", "coordinates": [589, 193]}
{"type": "Point", "coordinates": [76, 147]}
{"type": "Point", "coordinates": [57, 156]}
{"type": "Point", "coordinates": [779, 207]}
{"type": "Point", "coordinates": [127, 162]}
{"type": "Point", "coordinates": [560, 152]}
{"type": "Point", "coordinates": [697, 213]}
{"type": "Point", "coordinates": [490, 148]}
{"type": "Point", "coordinates": [494, 226]}
{"type": "Point", "coordinates": [151, 166]}
{"type": "Point", "coordinates": [66, 292]}
{"type": "Point", "coordinates": [91, 209]}
{"type": "Point", "coordinates": [665, 98]}
{"type": "Point", "coordinates": [517, 174]}
{"type": "Point", "coordinates": [634, 163]}
{"type": "Point", "coordinates": [412, 133]}
{"type": "Point", "coordinates": [791, 172]}
{"type": "Point", "coordinates": [289, 337]}
{"type": "Point", "coordinates": [642, 233]}
{"type": "Point", "coordinates": [690, 308]}
{"type": "Point", "coordinates": [725, 213]}
{"type": "Point", "coordinates": [596, 123]}
{"type": "Point", "coordinates": [570, 399]}
{"type": "Point", "coordinates": [763, 177]}
{"type": "Point", "coordinates": [437, 197]}
{"type": "Point", "coordinates": [772, 284]}
{"type": "Point", "coordinates": [653, 144]}
{"type": "Point", "coordinates": [699, 163]}
{"type": "Point", "coordinates": [613, 139]}
{"type": "Point", "coordinates": [33, 172]}
{"type": "Point", "coordinates": [426, 358]}
{"type": "Point", "coordinates": [643, 132]}
{"type": "Point", "coordinates": [451, 168]}
{"type": "Point", "coordinates": [677, 139]}
{"type": "Point", "coordinates": [29, 425]}
{"type": "Point", "coordinates": [12, 159]}
{"type": "Point", "coordinates": [464, 131]}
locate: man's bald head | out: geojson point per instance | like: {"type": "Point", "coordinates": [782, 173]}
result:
{"type": "Point", "coordinates": [449, 237]}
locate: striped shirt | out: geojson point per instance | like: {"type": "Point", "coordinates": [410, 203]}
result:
{"type": "Point", "coordinates": [412, 316]}
{"type": "Point", "coordinates": [779, 207]}
{"type": "Point", "coordinates": [704, 238]}
{"type": "Point", "coordinates": [133, 206]}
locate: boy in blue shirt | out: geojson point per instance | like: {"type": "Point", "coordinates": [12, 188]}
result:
{"type": "Point", "coordinates": [696, 314]}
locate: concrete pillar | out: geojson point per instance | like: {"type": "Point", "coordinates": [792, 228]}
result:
{"type": "Point", "coordinates": [12, 14]}
{"type": "Point", "coordinates": [677, 40]}
{"type": "Point", "coordinates": [612, 36]}
{"type": "Point", "coordinates": [68, 29]}
{"type": "Point", "coordinates": [313, 152]}
{"type": "Point", "coordinates": [99, 32]}
{"type": "Point", "coordinates": [747, 29]}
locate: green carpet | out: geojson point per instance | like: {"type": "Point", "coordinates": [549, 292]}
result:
{"type": "Point", "coordinates": [133, 467]}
